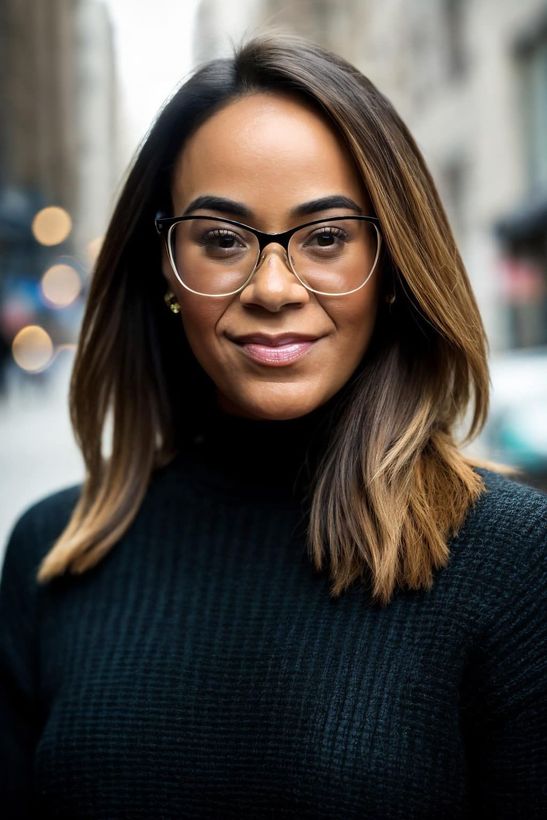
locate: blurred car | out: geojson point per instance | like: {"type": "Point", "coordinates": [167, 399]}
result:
{"type": "Point", "coordinates": [516, 431]}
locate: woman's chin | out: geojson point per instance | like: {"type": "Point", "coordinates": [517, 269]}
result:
{"type": "Point", "coordinates": [268, 408]}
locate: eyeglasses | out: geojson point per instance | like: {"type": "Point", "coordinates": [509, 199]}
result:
{"type": "Point", "coordinates": [212, 256]}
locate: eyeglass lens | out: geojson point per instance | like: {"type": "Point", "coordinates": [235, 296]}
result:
{"type": "Point", "coordinates": [217, 258]}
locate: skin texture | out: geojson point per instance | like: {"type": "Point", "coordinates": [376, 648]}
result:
{"type": "Point", "coordinates": [272, 153]}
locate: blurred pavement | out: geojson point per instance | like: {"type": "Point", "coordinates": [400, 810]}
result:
{"type": "Point", "coordinates": [38, 451]}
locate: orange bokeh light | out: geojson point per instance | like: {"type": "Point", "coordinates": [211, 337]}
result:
{"type": "Point", "coordinates": [51, 225]}
{"type": "Point", "coordinates": [94, 248]}
{"type": "Point", "coordinates": [61, 285]}
{"type": "Point", "coordinates": [32, 348]}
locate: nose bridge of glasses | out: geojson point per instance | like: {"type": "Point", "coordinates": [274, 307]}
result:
{"type": "Point", "coordinates": [280, 249]}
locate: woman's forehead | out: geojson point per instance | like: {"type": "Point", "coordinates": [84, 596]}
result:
{"type": "Point", "coordinates": [265, 145]}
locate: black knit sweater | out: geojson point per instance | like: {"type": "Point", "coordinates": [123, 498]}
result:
{"type": "Point", "coordinates": [202, 670]}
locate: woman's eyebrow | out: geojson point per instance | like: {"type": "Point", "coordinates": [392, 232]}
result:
{"type": "Point", "coordinates": [230, 206]}
{"type": "Point", "coordinates": [324, 204]}
{"type": "Point", "coordinates": [218, 203]}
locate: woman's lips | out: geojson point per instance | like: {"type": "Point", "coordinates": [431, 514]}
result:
{"type": "Point", "coordinates": [278, 355]}
{"type": "Point", "coordinates": [275, 350]}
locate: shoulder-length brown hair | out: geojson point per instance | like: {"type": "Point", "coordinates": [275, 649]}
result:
{"type": "Point", "coordinates": [393, 486]}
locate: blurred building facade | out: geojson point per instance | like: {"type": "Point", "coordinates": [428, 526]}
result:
{"type": "Point", "coordinates": [58, 103]}
{"type": "Point", "coordinates": [57, 148]}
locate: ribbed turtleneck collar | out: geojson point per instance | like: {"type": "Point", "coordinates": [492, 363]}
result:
{"type": "Point", "coordinates": [255, 457]}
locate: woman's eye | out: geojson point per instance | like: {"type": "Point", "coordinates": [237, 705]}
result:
{"type": "Point", "coordinates": [327, 237]}
{"type": "Point", "coordinates": [222, 239]}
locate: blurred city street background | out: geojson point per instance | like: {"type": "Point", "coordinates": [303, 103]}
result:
{"type": "Point", "coordinates": [81, 82]}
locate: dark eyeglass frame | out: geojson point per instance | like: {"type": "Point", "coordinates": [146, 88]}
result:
{"type": "Point", "coordinates": [164, 224]}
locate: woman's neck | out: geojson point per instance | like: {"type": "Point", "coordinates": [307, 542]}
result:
{"type": "Point", "coordinates": [262, 455]}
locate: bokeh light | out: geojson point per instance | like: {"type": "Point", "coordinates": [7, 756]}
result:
{"type": "Point", "coordinates": [32, 348]}
{"type": "Point", "coordinates": [51, 225]}
{"type": "Point", "coordinates": [93, 249]}
{"type": "Point", "coordinates": [61, 285]}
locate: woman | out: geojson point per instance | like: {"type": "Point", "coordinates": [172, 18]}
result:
{"type": "Point", "coordinates": [285, 591]}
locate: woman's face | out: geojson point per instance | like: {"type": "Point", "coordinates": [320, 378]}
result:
{"type": "Point", "coordinates": [271, 154]}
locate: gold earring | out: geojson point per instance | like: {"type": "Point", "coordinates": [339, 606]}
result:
{"type": "Point", "coordinates": [171, 302]}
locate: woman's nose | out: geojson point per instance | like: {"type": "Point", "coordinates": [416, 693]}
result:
{"type": "Point", "coordinates": [273, 283]}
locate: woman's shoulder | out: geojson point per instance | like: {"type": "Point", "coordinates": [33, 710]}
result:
{"type": "Point", "coordinates": [38, 525]}
{"type": "Point", "coordinates": [510, 508]}
{"type": "Point", "coordinates": [501, 548]}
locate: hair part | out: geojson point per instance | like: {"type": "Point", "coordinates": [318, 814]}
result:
{"type": "Point", "coordinates": [393, 486]}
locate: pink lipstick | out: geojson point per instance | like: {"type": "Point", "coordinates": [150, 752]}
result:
{"type": "Point", "coordinates": [276, 356]}
{"type": "Point", "coordinates": [275, 351]}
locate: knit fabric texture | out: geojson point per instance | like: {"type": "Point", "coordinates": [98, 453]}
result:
{"type": "Point", "coordinates": [201, 668]}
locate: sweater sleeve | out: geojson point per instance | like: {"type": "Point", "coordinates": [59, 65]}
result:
{"type": "Point", "coordinates": [507, 725]}
{"type": "Point", "coordinates": [18, 703]}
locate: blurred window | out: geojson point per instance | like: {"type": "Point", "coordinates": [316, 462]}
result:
{"type": "Point", "coordinates": [524, 286]}
{"type": "Point", "coordinates": [523, 231]}
{"type": "Point", "coordinates": [534, 76]}
{"type": "Point", "coordinates": [454, 19]}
